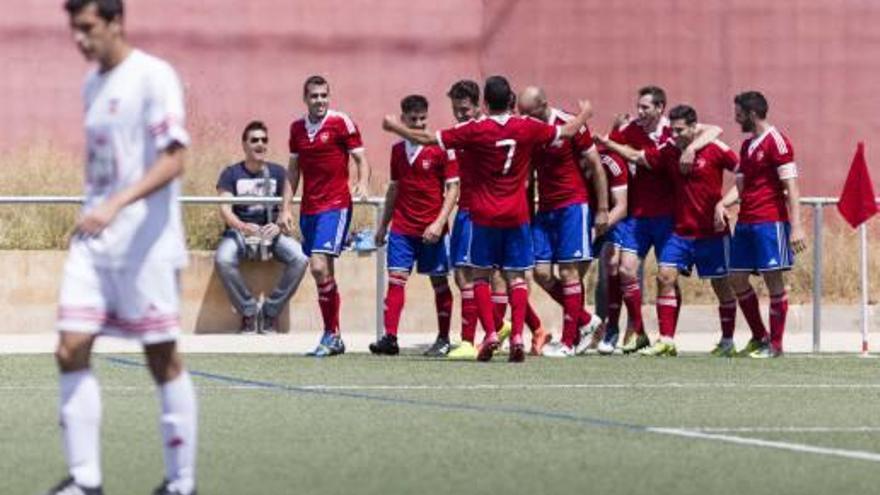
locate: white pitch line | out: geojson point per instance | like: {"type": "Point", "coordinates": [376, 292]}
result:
{"type": "Point", "coordinates": [514, 386]}
{"type": "Point", "coordinates": [771, 444]}
{"type": "Point", "coordinates": [785, 429]}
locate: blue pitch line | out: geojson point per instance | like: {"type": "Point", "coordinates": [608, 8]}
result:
{"type": "Point", "coordinates": [295, 390]}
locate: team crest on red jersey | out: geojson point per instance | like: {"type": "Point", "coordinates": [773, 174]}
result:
{"type": "Point", "coordinates": [324, 137]}
{"type": "Point", "coordinates": [759, 155]}
{"type": "Point", "coordinates": [701, 162]}
{"type": "Point", "coordinates": [426, 164]}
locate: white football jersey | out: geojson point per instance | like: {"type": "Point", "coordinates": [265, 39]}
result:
{"type": "Point", "coordinates": [133, 112]}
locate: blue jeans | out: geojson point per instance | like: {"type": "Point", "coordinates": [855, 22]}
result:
{"type": "Point", "coordinates": [286, 250]}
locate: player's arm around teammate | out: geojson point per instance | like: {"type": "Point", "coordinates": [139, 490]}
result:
{"type": "Point", "coordinates": [392, 123]}
{"type": "Point", "coordinates": [561, 231]}
{"type": "Point", "coordinates": [422, 192]}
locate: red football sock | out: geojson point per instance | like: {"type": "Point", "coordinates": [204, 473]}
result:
{"type": "Point", "coordinates": [678, 303]}
{"type": "Point", "coordinates": [556, 293]}
{"type": "Point", "coordinates": [499, 308]}
{"type": "Point", "coordinates": [328, 297]}
{"type": "Point", "coordinates": [666, 308]}
{"type": "Point", "coordinates": [443, 302]}
{"type": "Point", "coordinates": [748, 303]}
{"type": "Point", "coordinates": [727, 315]}
{"type": "Point", "coordinates": [533, 321]}
{"type": "Point", "coordinates": [394, 300]}
{"type": "Point", "coordinates": [570, 310]}
{"type": "Point", "coordinates": [483, 298]}
{"type": "Point", "coordinates": [778, 312]}
{"type": "Point", "coordinates": [519, 299]}
{"type": "Point", "coordinates": [632, 299]}
{"type": "Point", "coordinates": [468, 315]}
{"type": "Point", "coordinates": [615, 300]}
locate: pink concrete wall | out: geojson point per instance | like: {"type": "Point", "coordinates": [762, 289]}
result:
{"type": "Point", "coordinates": [816, 60]}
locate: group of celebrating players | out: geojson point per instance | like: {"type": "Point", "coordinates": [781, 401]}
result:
{"type": "Point", "coordinates": [655, 181]}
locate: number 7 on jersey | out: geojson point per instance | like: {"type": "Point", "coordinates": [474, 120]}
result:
{"type": "Point", "coordinates": [511, 143]}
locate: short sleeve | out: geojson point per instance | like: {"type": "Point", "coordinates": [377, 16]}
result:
{"type": "Point", "coordinates": [292, 142]}
{"type": "Point", "coordinates": [348, 133]}
{"type": "Point", "coordinates": [616, 170]}
{"type": "Point", "coordinates": [450, 166]}
{"type": "Point", "coordinates": [457, 137]}
{"type": "Point", "coordinates": [782, 156]}
{"type": "Point", "coordinates": [395, 171]}
{"type": "Point", "coordinates": [730, 160]}
{"type": "Point", "coordinates": [543, 133]}
{"type": "Point", "coordinates": [279, 173]}
{"type": "Point", "coordinates": [226, 182]}
{"type": "Point", "coordinates": [583, 141]}
{"type": "Point", "coordinates": [165, 112]}
{"type": "Point", "coordinates": [781, 150]}
{"type": "Point", "coordinates": [353, 140]}
{"type": "Point", "coordinates": [617, 135]}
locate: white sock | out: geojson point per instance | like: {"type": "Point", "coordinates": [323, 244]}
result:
{"type": "Point", "coordinates": [80, 411]}
{"type": "Point", "coordinates": [179, 424]}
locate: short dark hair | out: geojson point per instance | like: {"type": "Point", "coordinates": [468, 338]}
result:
{"type": "Point", "coordinates": [315, 80]}
{"type": "Point", "coordinates": [465, 88]}
{"type": "Point", "coordinates": [414, 103]}
{"type": "Point", "coordinates": [683, 112]}
{"type": "Point", "coordinates": [497, 93]}
{"type": "Point", "coordinates": [254, 125]}
{"type": "Point", "coordinates": [753, 101]}
{"type": "Point", "coordinates": [107, 9]}
{"type": "Point", "coordinates": [658, 96]}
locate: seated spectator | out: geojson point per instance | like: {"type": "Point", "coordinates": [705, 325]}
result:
{"type": "Point", "coordinates": [254, 231]}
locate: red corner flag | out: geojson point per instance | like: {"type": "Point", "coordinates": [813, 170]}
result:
{"type": "Point", "coordinates": [857, 203]}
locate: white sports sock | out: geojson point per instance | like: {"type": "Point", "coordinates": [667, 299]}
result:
{"type": "Point", "coordinates": [179, 424]}
{"type": "Point", "coordinates": [80, 411]}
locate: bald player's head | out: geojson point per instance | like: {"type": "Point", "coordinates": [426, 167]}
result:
{"type": "Point", "coordinates": [533, 102]}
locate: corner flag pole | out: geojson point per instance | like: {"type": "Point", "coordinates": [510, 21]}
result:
{"type": "Point", "coordinates": [863, 233]}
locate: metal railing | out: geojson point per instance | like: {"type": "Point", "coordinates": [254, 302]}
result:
{"type": "Point", "coordinates": [817, 204]}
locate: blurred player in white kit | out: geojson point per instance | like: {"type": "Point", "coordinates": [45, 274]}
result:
{"type": "Point", "coordinates": [122, 273]}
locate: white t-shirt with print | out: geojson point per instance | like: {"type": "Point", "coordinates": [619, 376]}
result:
{"type": "Point", "coordinates": [133, 112]}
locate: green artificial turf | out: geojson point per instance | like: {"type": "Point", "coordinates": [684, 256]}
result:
{"type": "Point", "coordinates": [369, 425]}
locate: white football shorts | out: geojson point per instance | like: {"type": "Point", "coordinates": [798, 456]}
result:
{"type": "Point", "coordinates": [140, 302]}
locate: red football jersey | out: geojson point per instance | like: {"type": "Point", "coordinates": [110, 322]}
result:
{"type": "Point", "coordinates": [616, 175]}
{"type": "Point", "coordinates": [421, 174]}
{"type": "Point", "coordinates": [650, 192]}
{"type": "Point", "coordinates": [466, 184]}
{"type": "Point", "coordinates": [560, 179]}
{"type": "Point", "coordinates": [501, 148]}
{"type": "Point", "coordinates": [322, 151]}
{"type": "Point", "coordinates": [697, 192]}
{"type": "Point", "coordinates": [764, 161]}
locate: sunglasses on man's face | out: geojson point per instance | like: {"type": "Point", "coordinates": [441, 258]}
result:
{"type": "Point", "coordinates": [255, 140]}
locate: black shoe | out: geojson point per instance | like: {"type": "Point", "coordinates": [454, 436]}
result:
{"type": "Point", "coordinates": [164, 489]}
{"type": "Point", "coordinates": [249, 324]}
{"type": "Point", "coordinates": [440, 348]}
{"type": "Point", "coordinates": [517, 353]}
{"type": "Point", "coordinates": [69, 487]}
{"type": "Point", "coordinates": [386, 345]}
{"type": "Point", "coordinates": [267, 325]}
